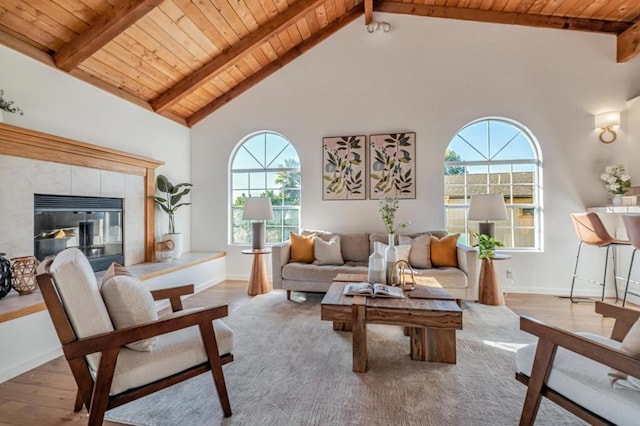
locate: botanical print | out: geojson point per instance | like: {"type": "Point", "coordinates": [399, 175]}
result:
{"type": "Point", "coordinates": [343, 168]}
{"type": "Point", "coordinates": [392, 166]}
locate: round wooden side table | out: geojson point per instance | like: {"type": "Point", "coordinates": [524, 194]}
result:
{"type": "Point", "coordinates": [259, 280]}
{"type": "Point", "coordinates": [489, 292]}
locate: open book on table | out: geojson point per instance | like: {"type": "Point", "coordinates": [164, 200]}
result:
{"type": "Point", "coordinates": [372, 290]}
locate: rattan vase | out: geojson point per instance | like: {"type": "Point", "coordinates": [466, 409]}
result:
{"type": "Point", "coordinates": [23, 274]}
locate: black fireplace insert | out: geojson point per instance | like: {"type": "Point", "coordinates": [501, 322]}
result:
{"type": "Point", "coordinates": [93, 224]}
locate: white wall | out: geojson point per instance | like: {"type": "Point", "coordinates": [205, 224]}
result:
{"type": "Point", "coordinates": [430, 76]}
{"type": "Point", "coordinates": [58, 104]}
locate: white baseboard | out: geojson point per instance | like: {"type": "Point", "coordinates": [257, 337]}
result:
{"type": "Point", "coordinates": [29, 364]}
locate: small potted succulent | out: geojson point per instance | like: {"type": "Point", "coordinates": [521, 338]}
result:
{"type": "Point", "coordinates": [170, 203]}
{"type": "Point", "coordinates": [8, 106]}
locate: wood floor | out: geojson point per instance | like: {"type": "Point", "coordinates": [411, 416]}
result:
{"type": "Point", "coordinates": [44, 396]}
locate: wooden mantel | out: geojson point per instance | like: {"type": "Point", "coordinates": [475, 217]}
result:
{"type": "Point", "coordinates": [19, 142]}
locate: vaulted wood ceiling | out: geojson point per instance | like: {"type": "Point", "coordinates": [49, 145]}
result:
{"type": "Point", "coordinates": [185, 59]}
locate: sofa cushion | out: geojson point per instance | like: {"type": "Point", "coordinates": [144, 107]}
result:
{"type": "Point", "coordinates": [301, 248]}
{"type": "Point", "coordinates": [355, 246]}
{"type": "Point", "coordinates": [444, 251]}
{"type": "Point", "coordinates": [327, 252]}
{"type": "Point", "coordinates": [444, 277]}
{"type": "Point", "coordinates": [584, 382]}
{"type": "Point", "coordinates": [402, 251]}
{"type": "Point", "coordinates": [326, 273]}
{"type": "Point", "coordinates": [419, 256]}
{"type": "Point", "coordinates": [325, 235]}
{"type": "Point", "coordinates": [129, 302]}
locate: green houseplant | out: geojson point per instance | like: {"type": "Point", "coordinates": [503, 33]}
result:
{"type": "Point", "coordinates": [487, 245]}
{"type": "Point", "coordinates": [169, 203]}
{"type": "Point", "coordinates": [8, 106]}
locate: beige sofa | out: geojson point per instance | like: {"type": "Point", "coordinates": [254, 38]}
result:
{"type": "Point", "coordinates": [460, 282]}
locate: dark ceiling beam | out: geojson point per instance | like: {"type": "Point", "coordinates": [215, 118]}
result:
{"type": "Point", "coordinates": [629, 43]}
{"type": "Point", "coordinates": [351, 15]}
{"type": "Point", "coordinates": [105, 29]}
{"type": "Point", "coordinates": [512, 18]}
{"type": "Point", "coordinates": [203, 75]}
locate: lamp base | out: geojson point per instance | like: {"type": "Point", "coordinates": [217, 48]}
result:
{"type": "Point", "coordinates": [258, 235]}
{"type": "Point", "coordinates": [487, 228]}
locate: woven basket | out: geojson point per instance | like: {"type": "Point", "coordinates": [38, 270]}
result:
{"type": "Point", "coordinates": [23, 274]}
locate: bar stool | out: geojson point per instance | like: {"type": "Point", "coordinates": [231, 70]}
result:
{"type": "Point", "coordinates": [590, 230]}
{"type": "Point", "coordinates": [632, 225]}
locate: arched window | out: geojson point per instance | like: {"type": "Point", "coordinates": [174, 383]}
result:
{"type": "Point", "coordinates": [265, 164]}
{"type": "Point", "coordinates": [489, 156]}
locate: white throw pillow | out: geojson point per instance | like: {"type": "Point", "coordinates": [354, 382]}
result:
{"type": "Point", "coordinates": [402, 250]}
{"type": "Point", "coordinates": [631, 345]}
{"type": "Point", "coordinates": [128, 302]}
{"type": "Point", "coordinates": [327, 252]}
{"type": "Point", "coordinates": [420, 254]}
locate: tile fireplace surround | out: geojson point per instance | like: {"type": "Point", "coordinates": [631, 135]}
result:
{"type": "Point", "coordinates": [33, 162]}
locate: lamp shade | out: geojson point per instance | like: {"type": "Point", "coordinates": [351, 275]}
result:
{"type": "Point", "coordinates": [257, 208]}
{"type": "Point", "coordinates": [487, 207]}
{"type": "Point", "coordinates": [607, 119]}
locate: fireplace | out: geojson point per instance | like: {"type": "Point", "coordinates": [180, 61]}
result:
{"type": "Point", "coordinates": [93, 224]}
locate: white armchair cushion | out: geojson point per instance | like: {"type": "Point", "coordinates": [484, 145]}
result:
{"type": "Point", "coordinates": [76, 283]}
{"type": "Point", "coordinates": [128, 302]}
{"type": "Point", "coordinates": [585, 382]}
{"type": "Point", "coordinates": [173, 352]}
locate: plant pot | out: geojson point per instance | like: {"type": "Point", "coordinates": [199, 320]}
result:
{"type": "Point", "coordinates": [617, 200]}
{"type": "Point", "coordinates": [178, 244]}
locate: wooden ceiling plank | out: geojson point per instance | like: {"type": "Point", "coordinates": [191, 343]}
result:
{"type": "Point", "coordinates": [269, 51]}
{"type": "Point", "coordinates": [593, 8]}
{"type": "Point", "coordinates": [629, 43]}
{"type": "Point", "coordinates": [474, 4]}
{"type": "Point", "coordinates": [167, 42]}
{"type": "Point", "coordinates": [217, 20]}
{"type": "Point", "coordinates": [257, 11]}
{"type": "Point", "coordinates": [575, 24]}
{"type": "Point", "coordinates": [262, 59]}
{"type": "Point", "coordinates": [200, 20]}
{"type": "Point", "coordinates": [238, 76]}
{"type": "Point", "coordinates": [538, 5]}
{"type": "Point", "coordinates": [229, 14]}
{"type": "Point", "coordinates": [617, 11]}
{"type": "Point", "coordinates": [524, 6]}
{"type": "Point", "coordinates": [41, 18]}
{"type": "Point", "coordinates": [132, 70]}
{"type": "Point", "coordinates": [285, 41]}
{"type": "Point", "coordinates": [123, 81]}
{"type": "Point", "coordinates": [245, 15]}
{"type": "Point", "coordinates": [102, 31]}
{"type": "Point", "coordinates": [312, 20]}
{"type": "Point", "coordinates": [189, 28]}
{"type": "Point", "coordinates": [78, 9]}
{"type": "Point", "coordinates": [137, 50]}
{"type": "Point", "coordinates": [330, 7]}
{"type": "Point", "coordinates": [572, 8]}
{"type": "Point", "coordinates": [136, 36]}
{"type": "Point", "coordinates": [294, 53]}
{"type": "Point", "coordinates": [253, 63]}
{"type": "Point", "coordinates": [171, 29]}
{"type": "Point", "coordinates": [294, 34]}
{"type": "Point", "coordinates": [62, 16]}
{"type": "Point", "coordinates": [269, 7]}
{"type": "Point", "coordinates": [38, 30]}
{"type": "Point", "coordinates": [321, 13]}
{"type": "Point", "coordinates": [303, 28]}
{"type": "Point", "coordinates": [281, 5]}
{"type": "Point", "coordinates": [341, 7]}
{"type": "Point", "coordinates": [199, 77]}
{"type": "Point", "coordinates": [498, 5]}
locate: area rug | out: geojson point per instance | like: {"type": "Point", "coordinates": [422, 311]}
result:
{"type": "Point", "coordinates": [291, 368]}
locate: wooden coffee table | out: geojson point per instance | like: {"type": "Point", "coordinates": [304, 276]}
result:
{"type": "Point", "coordinates": [432, 324]}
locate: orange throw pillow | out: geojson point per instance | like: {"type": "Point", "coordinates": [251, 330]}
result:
{"type": "Point", "coordinates": [444, 251]}
{"type": "Point", "coordinates": [301, 248]}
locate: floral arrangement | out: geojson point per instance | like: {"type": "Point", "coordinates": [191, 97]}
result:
{"type": "Point", "coordinates": [387, 208]}
{"type": "Point", "coordinates": [615, 178]}
{"type": "Point", "coordinates": [8, 106]}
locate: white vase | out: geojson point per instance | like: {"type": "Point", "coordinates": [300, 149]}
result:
{"type": "Point", "coordinates": [617, 200]}
{"type": "Point", "coordinates": [376, 270]}
{"type": "Point", "coordinates": [178, 244]}
{"type": "Point", "coordinates": [390, 258]}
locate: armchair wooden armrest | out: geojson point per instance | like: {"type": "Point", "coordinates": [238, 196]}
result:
{"type": "Point", "coordinates": [123, 336]}
{"type": "Point", "coordinates": [625, 318]}
{"type": "Point", "coordinates": [553, 336]}
{"type": "Point", "coordinates": [173, 294]}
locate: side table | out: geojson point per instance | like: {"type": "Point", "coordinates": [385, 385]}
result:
{"type": "Point", "coordinates": [489, 292]}
{"type": "Point", "coordinates": [259, 280]}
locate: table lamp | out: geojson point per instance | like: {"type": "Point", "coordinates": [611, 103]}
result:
{"type": "Point", "coordinates": [487, 207]}
{"type": "Point", "coordinates": [257, 209]}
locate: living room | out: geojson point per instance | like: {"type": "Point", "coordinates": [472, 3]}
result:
{"type": "Point", "coordinates": [428, 76]}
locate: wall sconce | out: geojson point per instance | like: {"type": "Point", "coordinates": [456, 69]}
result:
{"type": "Point", "coordinates": [375, 26]}
{"type": "Point", "coordinates": [606, 121]}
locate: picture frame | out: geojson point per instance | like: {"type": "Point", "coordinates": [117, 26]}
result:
{"type": "Point", "coordinates": [344, 167]}
{"type": "Point", "coordinates": [392, 165]}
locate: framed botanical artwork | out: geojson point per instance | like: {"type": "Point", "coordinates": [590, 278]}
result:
{"type": "Point", "coordinates": [392, 166]}
{"type": "Point", "coordinates": [343, 168]}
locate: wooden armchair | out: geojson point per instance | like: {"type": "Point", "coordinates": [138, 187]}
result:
{"type": "Point", "coordinates": [571, 369]}
{"type": "Point", "coordinates": [107, 373]}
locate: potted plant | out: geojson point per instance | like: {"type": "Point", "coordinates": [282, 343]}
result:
{"type": "Point", "coordinates": [7, 106]}
{"type": "Point", "coordinates": [487, 245]}
{"type": "Point", "coordinates": [170, 203]}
